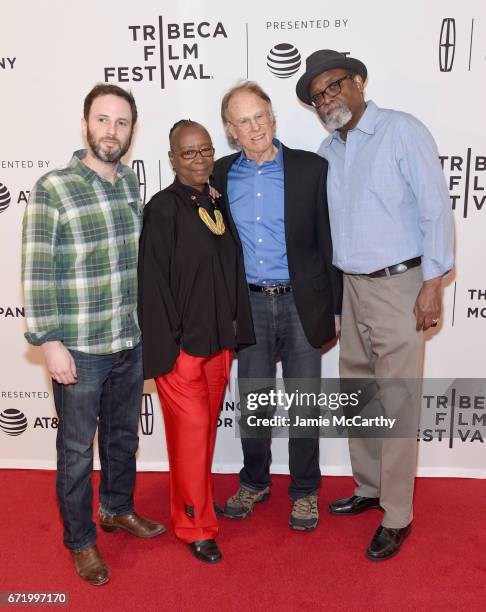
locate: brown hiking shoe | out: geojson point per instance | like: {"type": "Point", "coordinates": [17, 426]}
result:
{"type": "Point", "coordinates": [305, 513]}
{"type": "Point", "coordinates": [241, 504]}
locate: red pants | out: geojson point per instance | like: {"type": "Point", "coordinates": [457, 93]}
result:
{"type": "Point", "coordinates": [191, 395]}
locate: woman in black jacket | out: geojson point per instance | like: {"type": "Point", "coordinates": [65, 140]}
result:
{"type": "Point", "coordinates": [194, 311]}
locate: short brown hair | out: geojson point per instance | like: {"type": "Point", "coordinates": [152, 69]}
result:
{"type": "Point", "coordinates": [105, 89]}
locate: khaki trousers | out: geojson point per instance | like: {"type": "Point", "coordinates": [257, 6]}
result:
{"type": "Point", "coordinates": [379, 341]}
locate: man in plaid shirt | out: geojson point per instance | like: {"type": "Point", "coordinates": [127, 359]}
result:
{"type": "Point", "coordinates": [79, 270]}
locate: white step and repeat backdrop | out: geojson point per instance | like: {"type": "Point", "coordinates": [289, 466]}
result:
{"type": "Point", "coordinates": [178, 58]}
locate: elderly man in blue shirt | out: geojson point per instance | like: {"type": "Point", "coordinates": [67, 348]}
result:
{"type": "Point", "coordinates": [392, 232]}
{"type": "Point", "coordinates": [276, 207]}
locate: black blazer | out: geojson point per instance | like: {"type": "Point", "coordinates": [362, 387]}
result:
{"type": "Point", "coordinates": [316, 283]}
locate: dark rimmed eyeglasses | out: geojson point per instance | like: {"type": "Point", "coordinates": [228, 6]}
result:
{"type": "Point", "coordinates": [331, 91]}
{"type": "Point", "coordinates": [192, 153]}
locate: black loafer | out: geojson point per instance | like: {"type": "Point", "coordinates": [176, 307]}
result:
{"type": "Point", "coordinates": [206, 550]}
{"type": "Point", "coordinates": [353, 505]}
{"type": "Point", "coordinates": [387, 542]}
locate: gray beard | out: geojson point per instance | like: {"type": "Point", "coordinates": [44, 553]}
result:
{"type": "Point", "coordinates": [338, 118]}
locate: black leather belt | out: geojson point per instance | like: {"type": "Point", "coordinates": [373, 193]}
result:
{"type": "Point", "coordinates": [270, 289]}
{"type": "Point", "coordinates": [396, 269]}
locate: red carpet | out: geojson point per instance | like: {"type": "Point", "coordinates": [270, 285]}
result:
{"type": "Point", "coordinates": [266, 566]}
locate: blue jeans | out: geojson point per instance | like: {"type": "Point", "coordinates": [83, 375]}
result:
{"type": "Point", "coordinates": [107, 396]}
{"type": "Point", "coordinates": [279, 334]}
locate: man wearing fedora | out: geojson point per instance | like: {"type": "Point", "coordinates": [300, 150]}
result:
{"type": "Point", "coordinates": [392, 234]}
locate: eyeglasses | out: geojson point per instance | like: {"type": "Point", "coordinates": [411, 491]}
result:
{"type": "Point", "coordinates": [192, 153]}
{"type": "Point", "coordinates": [331, 91]}
{"type": "Point", "coordinates": [259, 118]}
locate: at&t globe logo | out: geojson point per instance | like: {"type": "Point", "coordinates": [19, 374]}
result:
{"type": "Point", "coordinates": [283, 60]}
{"type": "Point", "coordinates": [4, 197]}
{"type": "Point", "coordinates": [13, 422]}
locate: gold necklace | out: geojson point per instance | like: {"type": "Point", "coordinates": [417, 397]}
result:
{"type": "Point", "coordinates": [217, 227]}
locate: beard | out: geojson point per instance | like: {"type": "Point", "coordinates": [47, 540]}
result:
{"type": "Point", "coordinates": [115, 152]}
{"type": "Point", "coordinates": [337, 117]}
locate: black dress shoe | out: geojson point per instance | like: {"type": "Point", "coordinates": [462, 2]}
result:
{"type": "Point", "coordinates": [386, 542]}
{"type": "Point", "coordinates": [206, 550]}
{"type": "Point", "coordinates": [218, 511]}
{"type": "Point", "coordinates": [353, 505]}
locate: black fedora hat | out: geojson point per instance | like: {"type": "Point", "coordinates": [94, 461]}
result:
{"type": "Point", "coordinates": [320, 61]}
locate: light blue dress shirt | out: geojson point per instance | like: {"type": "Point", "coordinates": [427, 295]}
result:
{"type": "Point", "coordinates": [388, 199]}
{"type": "Point", "coordinates": [256, 199]}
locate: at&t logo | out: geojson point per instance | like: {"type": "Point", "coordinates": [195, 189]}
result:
{"type": "Point", "coordinates": [13, 422]}
{"type": "Point", "coordinates": [5, 198]}
{"type": "Point", "coordinates": [283, 60]}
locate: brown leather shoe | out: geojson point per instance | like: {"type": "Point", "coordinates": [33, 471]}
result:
{"type": "Point", "coordinates": [90, 566]}
{"type": "Point", "coordinates": [133, 523]}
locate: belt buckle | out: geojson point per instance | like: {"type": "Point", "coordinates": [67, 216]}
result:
{"type": "Point", "coordinates": [269, 291]}
{"type": "Point", "coordinates": [399, 268]}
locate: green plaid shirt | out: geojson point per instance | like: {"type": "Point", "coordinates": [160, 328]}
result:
{"type": "Point", "coordinates": [79, 259]}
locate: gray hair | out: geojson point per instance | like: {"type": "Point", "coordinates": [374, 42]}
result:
{"type": "Point", "coordinates": [244, 85]}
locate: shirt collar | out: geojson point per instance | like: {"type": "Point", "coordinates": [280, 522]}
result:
{"type": "Point", "coordinates": [278, 159]}
{"type": "Point", "coordinates": [368, 120]}
{"type": "Point", "coordinates": [366, 124]}
{"type": "Point", "coordinates": [190, 190]}
{"type": "Point", "coordinates": [85, 171]}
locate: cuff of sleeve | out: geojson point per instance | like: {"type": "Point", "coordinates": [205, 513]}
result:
{"type": "Point", "coordinates": [432, 270]}
{"type": "Point", "coordinates": [38, 339]}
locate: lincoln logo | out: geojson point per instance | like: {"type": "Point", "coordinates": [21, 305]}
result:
{"type": "Point", "coordinates": [139, 169]}
{"type": "Point", "coordinates": [147, 415]}
{"type": "Point", "coordinates": [447, 44]}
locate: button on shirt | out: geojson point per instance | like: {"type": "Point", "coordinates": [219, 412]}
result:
{"type": "Point", "coordinates": [388, 199]}
{"type": "Point", "coordinates": [79, 259]}
{"type": "Point", "coordinates": [256, 197]}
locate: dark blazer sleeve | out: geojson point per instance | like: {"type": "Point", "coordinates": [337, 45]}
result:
{"type": "Point", "coordinates": [219, 178]}
{"type": "Point", "coordinates": [325, 242]}
{"type": "Point", "coordinates": [158, 318]}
